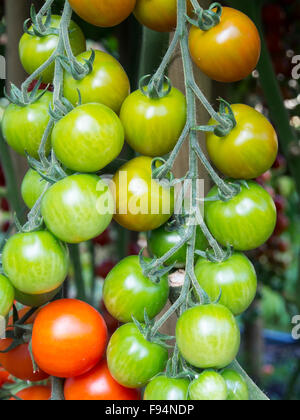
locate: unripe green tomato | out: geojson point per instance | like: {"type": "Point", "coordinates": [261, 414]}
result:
{"type": "Point", "coordinates": [35, 50]}
{"type": "Point", "coordinates": [209, 386]}
{"type": "Point", "coordinates": [7, 295]}
{"type": "Point", "coordinates": [35, 301]}
{"type": "Point", "coordinates": [32, 188]}
{"type": "Point", "coordinates": [236, 385]}
{"type": "Point", "coordinates": [35, 262]}
{"type": "Point", "coordinates": [163, 388]}
{"type": "Point", "coordinates": [208, 336]}
{"type": "Point", "coordinates": [78, 208]}
{"type": "Point", "coordinates": [23, 126]}
{"type": "Point", "coordinates": [153, 126]}
{"type": "Point", "coordinates": [107, 84]}
{"type": "Point", "coordinates": [234, 278]}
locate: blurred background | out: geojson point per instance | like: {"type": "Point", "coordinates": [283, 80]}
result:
{"type": "Point", "coordinates": [270, 354]}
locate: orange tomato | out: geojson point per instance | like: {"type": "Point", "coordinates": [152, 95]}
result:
{"type": "Point", "coordinates": [103, 13]}
{"type": "Point", "coordinates": [68, 338]}
{"type": "Point", "coordinates": [230, 51]}
{"type": "Point", "coordinates": [34, 393]}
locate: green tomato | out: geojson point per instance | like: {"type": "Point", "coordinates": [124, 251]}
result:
{"type": "Point", "coordinates": [107, 84]}
{"type": "Point", "coordinates": [153, 126]}
{"type": "Point", "coordinates": [236, 385]}
{"type": "Point", "coordinates": [78, 208]}
{"type": "Point", "coordinates": [208, 336]}
{"type": "Point", "coordinates": [95, 138]}
{"type": "Point", "coordinates": [162, 240]}
{"type": "Point", "coordinates": [23, 126]}
{"type": "Point", "coordinates": [35, 301]}
{"type": "Point", "coordinates": [209, 386]}
{"type": "Point", "coordinates": [246, 221]}
{"type": "Point", "coordinates": [7, 296]}
{"type": "Point", "coordinates": [132, 360]}
{"type": "Point", "coordinates": [32, 188]}
{"type": "Point", "coordinates": [35, 262]}
{"type": "Point", "coordinates": [35, 51]}
{"type": "Point", "coordinates": [235, 278]}
{"type": "Point", "coordinates": [128, 293]}
{"type": "Point", "coordinates": [163, 388]}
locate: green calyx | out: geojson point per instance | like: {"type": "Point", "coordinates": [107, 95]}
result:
{"type": "Point", "coordinates": [148, 332]}
{"type": "Point", "coordinates": [207, 18]}
{"type": "Point", "coordinates": [228, 119]}
{"type": "Point", "coordinates": [155, 89]}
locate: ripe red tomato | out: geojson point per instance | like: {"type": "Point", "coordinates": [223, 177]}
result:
{"type": "Point", "coordinates": [249, 150]}
{"type": "Point", "coordinates": [230, 51]}
{"type": "Point", "coordinates": [34, 393]}
{"type": "Point", "coordinates": [97, 385]}
{"type": "Point", "coordinates": [68, 338]}
{"type": "Point", "coordinates": [5, 377]}
{"type": "Point", "coordinates": [103, 13]}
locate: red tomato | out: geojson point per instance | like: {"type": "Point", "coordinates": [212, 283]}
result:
{"type": "Point", "coordinates": [68, 338]}
{"type": "Point", "coordinates": [34, 393]}
{"type": "Point", "coordinates": [96, 385]}
{"type": "Point", "coordinates": [5, 377]}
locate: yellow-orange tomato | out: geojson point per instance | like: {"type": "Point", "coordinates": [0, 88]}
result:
{"type": "Point", "coordinates": [249, 150]}
{"type": "Point", "coordinates": [230, 51]}
{"type": "Point", "coordinates": [159, 15]}
{"type": "Point", "coordinates": [142, 204]}
{"type": "Point", "coordinates": [103, 13]}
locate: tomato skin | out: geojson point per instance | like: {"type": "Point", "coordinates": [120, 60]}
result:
{"type": "Point", "coordinates": [34, 393]}
{"type": "Point", "coordinates": [5, 377]}
{"type": "Point", "coordinates": [34, 51]}
{"type": "Point", "coordinates": [209, 386]}
{"type": "Point", "coordinates": [132, 360]}
{"type": "Point", "coordinates": [249, 150]}
{"type": "Point", "coordinates": [246, 221]}
{"type": "Point", "coordinates": [32, 188]}
{"type": "Point", "coordinates": [103, 13]}
{"type": "Point", "coordinates": [7, 295]}
{"type": "Point", "coordinates": [98, 385]}
{"type": "Point", "coordinates": [230, 51]}
{"type": "Point", "coordinates": [95, 138]}
{"type": "Point", "coordinates": [18, 362]}
{"type": "Point", "coordinates": [107, 84]}
{"type": "Point", "coordinates": [127, 292]}
{"type": "Point", "coordinates": [236, 385]}
{"type": "Point", "coordinates": [35, 301]}
{"type": "Point", "coordinates": [235, 278]}
{"type": "Point", "coordinates": [161, 241]}
{"type": "Point", "coordinates": [153, 126]}
{"type": "Point", "coordinates": [163, 388]}
{"type": "Point", "coordinates": [35, 263]}
{"type": "Point", "coordinates": [135, 193]}
{"type": "Point", "coordinates": [158, 15]}
{"type": "Point", "coordinates": [208, 336]}
{"type": "Point", "coordinates": [23, 127]}
{"type": "Point", "coordinates": [68, 338]}
{"type": "Point", "coordinates": [70, 208]}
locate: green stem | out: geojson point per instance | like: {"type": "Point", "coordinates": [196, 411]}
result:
{"type": "Point", "coordinates": [75, 259]}
{"type": "Point", "coordinates": [57, 389]}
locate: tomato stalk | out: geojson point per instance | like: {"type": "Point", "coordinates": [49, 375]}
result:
{"type": "Point", "coordinates": [57, 389]}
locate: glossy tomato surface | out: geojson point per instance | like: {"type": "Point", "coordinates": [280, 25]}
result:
{"type": "Point", "coordinates": [158, 15]}
{"type": "Point", "coordinates": [36, 262]}
{"type": "Point", "coordinates": [127, 292]}
{"type": "Point", "coordinates": [34, 393]}
{"type": "Point", "coordinates": [163, 388]}
{"type": "Point", "coordinates": [35, 51]}
{"type": "Point", "coordinates": [162, 240]}
{"type": "Point", "coordinates": [23, 127]}
{"type": "Point", "coordinates": [68, 338]}
{"type": "Point", "coordinates": [236, 385]}
{"type": "Point", "coordinates": [246, 221]}
{"type": "Point", "coordinates": [208, 336]}
{"type": "Point", "coordinates": [5, 377]}
{"type": "Point", "coordinates": [78, 208]}
{"type": "Point", "coordinates": [249, 150]}
{"type": "Point", "coordinates": [209, 386]}
{"type": "Point", "coordinates": [142, 204]}
{"type": "Point", "coordinates": [32, 188]}
{"type": "Point", "coordinates": [230, 51]}
{"type": "Point", "coordinates": [235, 278]}
{"type": "Point", "coordinates": [132, 360]}
{"type": "Point", "coordinates": [107, 84]}
{"type": "Point", "coordinates": [103, 13]}
{"type": "Point", "coordinates": [98, 385]}
{"type": "Point", "coordinates": [95, 138]}
{"type": "Point", "coordinates": [153, 126]}
{"type": "Point", "coordinates": [7, 295]}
